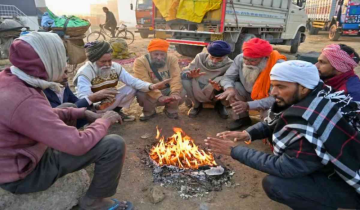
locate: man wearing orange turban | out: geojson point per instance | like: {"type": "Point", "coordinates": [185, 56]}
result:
{"type": "Point", "coordinates": [246, 83]}
{"type": "Point", "coordinates": [154, 67]}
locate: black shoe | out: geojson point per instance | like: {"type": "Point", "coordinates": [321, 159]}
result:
{"type": "Point", "coordinates": [237, 124]}
{"type": "Point", "coordinates": [193, 112]}
{"type": "Point", "coordinates": [221, 110]}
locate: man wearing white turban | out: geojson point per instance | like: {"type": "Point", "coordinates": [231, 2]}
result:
{"type": "Point", "coordinates": [314, 133]}
{"type": "Point", "coordinates": [36, 145]}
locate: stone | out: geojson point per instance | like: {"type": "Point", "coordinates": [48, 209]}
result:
{"type": "Point", "coordinates": [156, 194]}
{"type": "Point", "coordinates": [62, 195]}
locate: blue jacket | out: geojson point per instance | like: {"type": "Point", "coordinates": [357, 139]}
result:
{"type": "Point", "coordinates": [353, 88]}
{"type": "Point", "coordinates": [69, 97]}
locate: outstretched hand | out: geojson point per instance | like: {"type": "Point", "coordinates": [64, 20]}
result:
{"type": "Point", "coordinates": [234, 135]}
{"type": "Point", "coordinates": [195, 73]}
{"type": "Point", "coordinates": [220, 146]}
{"type": "Point", "coordinates": [215, 85]}
{"type": "Point", "coordinates": [160, 85]}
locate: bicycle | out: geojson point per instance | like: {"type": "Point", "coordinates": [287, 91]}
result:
{"type": "Point", "coordinates": [121, 32]}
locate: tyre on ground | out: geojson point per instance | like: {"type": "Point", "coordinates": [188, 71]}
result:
{"type": "Point", "coordinates": [334, 33]}
{"type": "Point", "coordinates": [238, 45]}
{"type": "Point", "coordinates": [295, 43]}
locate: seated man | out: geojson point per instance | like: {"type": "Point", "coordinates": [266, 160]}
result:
{"type": "Point", "coordinates": [247, 82]}
{"type": "Point", "coordinates": [316, 138]}
{"type": "Point", "coordinates": [205, 67]}
{"type": "Point", "coordinates": [155, 67]}
{"type": "Point", "coordinates": [101, 73]}
{"type": "Point", "coordinates": [36, 146]}
{"type": "Point", "coordinates": [336, 66]}
{"type": "Point", "coordinates": [66, 96]}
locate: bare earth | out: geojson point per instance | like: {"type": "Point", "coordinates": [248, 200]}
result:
{"type": "Point", "coordinates": [136, 178]}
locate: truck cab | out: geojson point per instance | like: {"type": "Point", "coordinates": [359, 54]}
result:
{"type": "Point", "coordinates": [143, 12]}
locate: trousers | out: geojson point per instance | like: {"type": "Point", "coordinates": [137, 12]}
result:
{"type": "Point", "coordinates": [108, 156]}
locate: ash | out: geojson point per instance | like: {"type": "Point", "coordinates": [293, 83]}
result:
{"type": "Point", "coordinates": [191, 183]}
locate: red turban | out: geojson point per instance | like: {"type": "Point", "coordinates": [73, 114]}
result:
{"type": "Point", "coordinates": [257, 48]}
{"type": "Point", "coordinates": [158, 45]}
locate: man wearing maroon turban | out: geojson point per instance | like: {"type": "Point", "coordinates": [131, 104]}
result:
{"type": "Point", "coordinates": [246, 83]}
{"type": "Point", "coordinates": [36, 145]}
{"type": "Point", "coordinates": [336, 66]}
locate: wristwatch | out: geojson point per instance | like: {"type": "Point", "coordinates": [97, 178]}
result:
{"type": "Point", "coordinates": [150, 87]}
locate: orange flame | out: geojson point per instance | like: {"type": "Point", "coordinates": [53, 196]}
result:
{"type": "Point", "coordinates": [180, 150]}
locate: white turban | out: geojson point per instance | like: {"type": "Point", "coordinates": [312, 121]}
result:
{"type": "Point", "coordinates": [301, 72]}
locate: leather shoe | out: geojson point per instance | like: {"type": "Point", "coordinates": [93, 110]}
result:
{"type": "Point", "coordinates": [237, 124]}
{"type": "Point", "coordinates": [193, 112]}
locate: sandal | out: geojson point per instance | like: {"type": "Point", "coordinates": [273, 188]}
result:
{"type": "Point", "coordinates": [117, 204]}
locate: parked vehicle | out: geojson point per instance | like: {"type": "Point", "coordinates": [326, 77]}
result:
{"type": "Point", "coordinates": [339, 17]}
{"type": "Point", "coordinates": [281, 22]}
{"type": "Point", "coordinates": [143, 12]}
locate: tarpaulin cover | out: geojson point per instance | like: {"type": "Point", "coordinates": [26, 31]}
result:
{"type": "Point", "coordinates": [190, 10]}
{"type": "Point", "coordinates": [60, 21]}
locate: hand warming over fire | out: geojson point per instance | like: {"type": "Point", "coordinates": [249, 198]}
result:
{"type": "Point", "coordinates": [215, 85]}
{"type": "Point", "coordinates": [234, 135]}
{"type": "Point", "coordinates": [239, 107]}
{"type": "Point", "coordinates": [220, 146]}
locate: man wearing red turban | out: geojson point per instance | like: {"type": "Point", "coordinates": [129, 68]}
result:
{"type": "Point", "coordinates": [246, 83]}
{"type": "Point", "coordinates": [336, 66]}
{"type": "Point", "coordinates": [155, 67]}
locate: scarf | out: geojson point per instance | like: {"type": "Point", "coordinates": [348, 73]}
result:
{"type": "Point", "coordinates": [262, 84]}
{"type": "Point", "coordinates": [51, 51]}
{"type": "Point", "coordinates": [330, 122]}
{"type": "Point", "coordinates": [339, 82]}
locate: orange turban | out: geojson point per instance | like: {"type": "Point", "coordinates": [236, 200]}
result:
{"type": "Point", "coordinates": [257, 48]}
{"type": "Point", "coordinates": [158, 45]}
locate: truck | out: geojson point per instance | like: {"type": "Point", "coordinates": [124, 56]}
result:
{"type": "Point", "coordinates": [339, 17]}
{"type": "Point", "coordinates": [143, 13]}
{"type": "Point", "coordinates": [281, 22]}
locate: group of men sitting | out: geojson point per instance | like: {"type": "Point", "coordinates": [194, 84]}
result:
{"type": "Point", "coordinates": [313, 129]}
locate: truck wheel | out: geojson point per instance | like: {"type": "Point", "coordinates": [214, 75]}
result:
{"type": "Point", "coordinates": [334, 33]}
{"type": "Point", "coordinates": [179, 49]}
{"type": "Point", "coordinates": [295, 43]}
{"type": "Point", "coordinates": [144, 35]}
{"type": "Point", "coordinates": [188, 50]}
{"type": "Point", "coordinates": [313, 31]}
{"type": "Point", "coordinates": [238, 45]}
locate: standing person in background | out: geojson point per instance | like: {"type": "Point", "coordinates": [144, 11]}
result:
{"type": "Point", "coordinates": [110, 23]}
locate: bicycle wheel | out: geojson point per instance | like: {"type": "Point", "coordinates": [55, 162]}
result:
{"type": "Point", "coordinates": [95, 36]}
{"type": "Point", "coordinates": [127, 35]}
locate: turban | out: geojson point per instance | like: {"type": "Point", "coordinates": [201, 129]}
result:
{"type": "Point", "coordinates": [219, 49]}
{"type": "Point", "coordinates": [39, 59]}
{"type": "Point", "coordinates": [301, 72]}
{"type": "Point", "coordinates": [257, 48]}
{"type": "Point", "coordinates": [158, 45]}
{"type": "Point", "coordinates": [95, 50]}
{"type": "Point", "coordinates": [338, 58]}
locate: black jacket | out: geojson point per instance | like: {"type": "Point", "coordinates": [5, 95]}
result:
{"type": "Point", "coordinates": [110, 19]}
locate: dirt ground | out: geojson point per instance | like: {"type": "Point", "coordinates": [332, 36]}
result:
{"type": "Point", "coordinates": [136, 178]}
{"type": "Point", "coordinates": [246, 193]}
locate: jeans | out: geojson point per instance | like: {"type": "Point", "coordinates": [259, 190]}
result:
{"type": "Point", "coordinates": [313, 192]}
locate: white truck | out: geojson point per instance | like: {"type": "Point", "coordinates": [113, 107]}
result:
{"type": "Point", "coordinates": [339, 17]}
{"type": "Point", "coordinates": [281, 22]}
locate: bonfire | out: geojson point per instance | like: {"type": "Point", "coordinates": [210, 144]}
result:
{"type": "Point", "coordinates": [180, 151]}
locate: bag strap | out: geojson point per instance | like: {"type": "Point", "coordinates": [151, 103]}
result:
{"type": "Point", "coordinates": [155, 71]}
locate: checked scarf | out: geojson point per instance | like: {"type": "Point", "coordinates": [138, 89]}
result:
{"type": "Point", "coordinates": [330, 122]}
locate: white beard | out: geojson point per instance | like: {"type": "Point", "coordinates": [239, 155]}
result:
{"type": "Point", "coordinates": [104, 72]}
{"type": "Point", "coordinates": [251, 73]}
{"type": "Point", "coordinates": [210, 64]}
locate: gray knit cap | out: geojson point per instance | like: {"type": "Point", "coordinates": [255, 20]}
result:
{"type": "Point", "coordinates": [95, 50]}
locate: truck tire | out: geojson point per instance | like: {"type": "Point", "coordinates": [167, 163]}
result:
{"type": "Point", "coordinates": [295, 43]}
{"type": "Point", "coordinates": [238, 45]}
{"type": "Point", "coordinates": [334, 33]}
{"type": "Point", "coordinates": [188, 50]}
{"type": "Point", "coordinates": [178, 49]}
{"type": "Point", "coordinates": [144, 34]}
{"type": "Point", "coordinates": [313, 31]}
